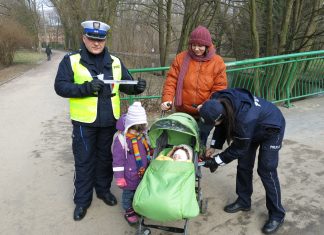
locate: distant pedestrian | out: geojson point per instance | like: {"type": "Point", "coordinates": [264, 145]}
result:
{"type": "Point", "coordinates": [48, 52]}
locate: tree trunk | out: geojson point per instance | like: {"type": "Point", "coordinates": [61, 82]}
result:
{"type": "Point", "coordinates": [269, 50]}
{"type": "Point", "coordinates": [254, 30]}
{"type": "Point", "coordinates": [307, 42]}
{"type": "Point", "coordinates": [161, 21]}
{"type": "Point", "coordinates": [255, 44]}
{"type": "Point", "coordinates": [168, 31]}
{"type": "Point", "coordinates": [192, 12]}
{"type": "Point", "coordinates": [284, 26]}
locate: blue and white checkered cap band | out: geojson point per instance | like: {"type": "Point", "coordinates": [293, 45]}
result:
{"type": "Point", "coordinates": [95, 31]}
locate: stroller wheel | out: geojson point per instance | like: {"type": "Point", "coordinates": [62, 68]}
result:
{"type": "Point", "coordinates": [145, 231]}
{"type": "Point", "coordinates": [203, 204]}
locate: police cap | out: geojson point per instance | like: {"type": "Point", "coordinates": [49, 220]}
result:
{"type": "Point", "coordinates": [211, 111]}
{"type": "Point", "coordinates": [95, 29]}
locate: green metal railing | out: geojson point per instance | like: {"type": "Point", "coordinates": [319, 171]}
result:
{"type": "Point", "coordinates": [277, 78]}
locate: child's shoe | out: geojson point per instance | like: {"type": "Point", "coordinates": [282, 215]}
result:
{"type": "Point", "coordinates": [131, 216]}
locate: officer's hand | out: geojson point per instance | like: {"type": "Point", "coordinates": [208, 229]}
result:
{"type": "Point", "coordinates": [96, 85]}
{"type": "Point", "coordinates": [211, 164]}
{"type": "Point", "coordinates": [140, 86]}
{"type": "Point", "coordinates": [166, 105]}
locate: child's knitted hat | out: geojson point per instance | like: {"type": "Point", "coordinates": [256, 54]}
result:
{"type": "Point", "coordinates": [135, 115]}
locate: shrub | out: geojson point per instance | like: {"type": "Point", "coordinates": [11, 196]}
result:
{"type": "Point", "coordinates": [12, 37]}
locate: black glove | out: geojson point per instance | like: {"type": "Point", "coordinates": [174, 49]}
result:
{"type": "Point", "coordinates": [211, 164]}
{"type": "Point", "coordinates": [140, 86]}
{"type": "Point", "coordinates": [96, 85]}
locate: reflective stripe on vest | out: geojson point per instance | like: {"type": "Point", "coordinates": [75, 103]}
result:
{"type": "Point", "coordinates": [85, 109]}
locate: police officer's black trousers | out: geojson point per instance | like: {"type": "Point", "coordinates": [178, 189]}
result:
{"type": "Point", "coordinates": [93, 162]}
{"type": "Point", "coordinates": [267, 170]}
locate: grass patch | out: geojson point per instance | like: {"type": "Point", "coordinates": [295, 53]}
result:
{"type": "Point", "coordinates": [28, 57]}
{"type": "Point", "coordinates": [23, 61]}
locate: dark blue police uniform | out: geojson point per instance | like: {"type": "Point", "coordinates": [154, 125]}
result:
{"type": "Point", "coordinates": [258, 123]}
{"type": "Point", "coordinates": [91, 142]}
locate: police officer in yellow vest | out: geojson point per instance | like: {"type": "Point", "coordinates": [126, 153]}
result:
{"type": "Point", "coordinates": [94, 109]}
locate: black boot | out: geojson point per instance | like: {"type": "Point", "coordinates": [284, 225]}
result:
{"type": "Point", "coordinates": [79, 213]}
{"type": "Point", "coordinates": [235, 207]}
{"type": "Point", "coordinates": [109, 199]}
{"type": "Point", "coordinates": [271, 226]}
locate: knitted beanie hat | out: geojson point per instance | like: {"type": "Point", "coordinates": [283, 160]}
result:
{"type": "Point", "coordinates": [211, 111]}
{"type": "Point", "coordinates": [201, 36]}
{"type": "Point", "coordinates": [135, 115]}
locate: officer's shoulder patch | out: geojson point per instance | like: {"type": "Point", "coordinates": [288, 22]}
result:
{"type": "Point", "coordinates": [72, 53]}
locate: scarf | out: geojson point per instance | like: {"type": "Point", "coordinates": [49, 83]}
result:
{"type": "Point", "coordinates": [138, 158]}
{"type": "Point", "coordinates": [184, 67]}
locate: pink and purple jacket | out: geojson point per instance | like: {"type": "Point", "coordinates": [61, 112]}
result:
{"type": "Point", "coordinates": [124, 163]}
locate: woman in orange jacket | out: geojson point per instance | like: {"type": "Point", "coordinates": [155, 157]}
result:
{"type": "Point", "coordinates": [193, 76]}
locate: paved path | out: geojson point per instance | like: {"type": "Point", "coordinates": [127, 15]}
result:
{"type": "Point", "coordinates": [36, 170]}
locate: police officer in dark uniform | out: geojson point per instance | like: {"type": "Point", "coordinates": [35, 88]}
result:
{"type": "Point", "coordinates": [84, 77]}
{"type": "Point", "coordinates": [247, 122]}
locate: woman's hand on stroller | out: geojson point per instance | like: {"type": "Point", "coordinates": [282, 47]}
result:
{"type": "Point", "coordinates": [121, 182]}
{"type": "Point", "coordinates": [166, 105]}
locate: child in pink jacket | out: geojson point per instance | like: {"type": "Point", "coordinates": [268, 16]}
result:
{"type": "Point", "coordinates": [131, 155]}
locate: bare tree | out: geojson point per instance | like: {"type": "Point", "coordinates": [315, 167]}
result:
{"type": "Point", "coordinates": [196, 12]}
{"type": "Point", "coordinates": [269, 43]}
{"type": "Point", "coordinates": [254, 31]}
{"type": "Point", "coordinates": [72, 13]}
{"type": "Point", "coordinates": [284, 26]}
{"type": "Point", "coordinates": [164, 27]}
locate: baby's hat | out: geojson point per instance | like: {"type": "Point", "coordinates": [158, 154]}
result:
{"type": "Point", "coordinates": [185, 151]}
{"type": "Point", "coordinates": [135, 115]}
{"type": "Point", "coordinates": [180, 154]}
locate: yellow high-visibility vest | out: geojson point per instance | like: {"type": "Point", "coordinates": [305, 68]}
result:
{"type": "Point", "coordinates": [85, 109]}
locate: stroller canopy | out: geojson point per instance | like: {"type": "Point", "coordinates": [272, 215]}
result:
{"type": "Point", "coordinates": [181, 128]}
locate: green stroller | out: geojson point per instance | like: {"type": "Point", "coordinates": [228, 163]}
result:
{"type": "Point", "coordinates": [171, 190]}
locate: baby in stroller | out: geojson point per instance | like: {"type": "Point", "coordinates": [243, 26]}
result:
{"type": "Point", "coordinates": [181, 153]}
{"type": "Point", "coordinates": [170, 189]}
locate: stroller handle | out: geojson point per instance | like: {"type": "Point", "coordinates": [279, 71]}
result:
{"type": "Point", "coordinates": [201, 163]}
{"type": "Point", "coordinates": [164, 111]}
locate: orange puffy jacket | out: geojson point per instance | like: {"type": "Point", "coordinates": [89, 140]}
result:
{"type": "Point", "coordinates": [201, 80]}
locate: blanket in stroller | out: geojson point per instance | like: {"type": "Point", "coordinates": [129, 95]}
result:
{"type": "Point", "coordinates": [167, 191]}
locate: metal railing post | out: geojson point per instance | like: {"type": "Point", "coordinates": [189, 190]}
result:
{"type": "Point", "coordinates": [290, 78]}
